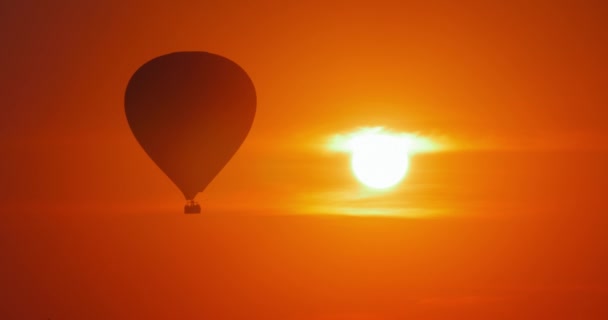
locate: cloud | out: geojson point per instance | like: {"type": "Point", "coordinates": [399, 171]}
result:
{"type": "Point", "coordinates": [415, 143]}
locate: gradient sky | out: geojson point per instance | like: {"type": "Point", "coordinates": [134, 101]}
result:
{"type": "Point", "coordinates": [508, 223]}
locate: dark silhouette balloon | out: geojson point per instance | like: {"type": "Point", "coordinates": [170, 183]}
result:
{"type": "Point", "coordinates": [190, 111]}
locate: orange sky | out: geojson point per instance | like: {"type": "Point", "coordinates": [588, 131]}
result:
{"type": "Point", "coordinates": [513, 214]}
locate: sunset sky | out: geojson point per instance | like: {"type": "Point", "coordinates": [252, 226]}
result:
{"type": "Point", "coordinates": [504, 218]}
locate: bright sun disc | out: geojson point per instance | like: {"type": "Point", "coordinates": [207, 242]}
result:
{"type": "Point", "coordinates": [379, 160]}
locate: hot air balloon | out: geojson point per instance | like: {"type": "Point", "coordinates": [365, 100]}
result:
{"type": "Point", "coordinates": [190, 112]}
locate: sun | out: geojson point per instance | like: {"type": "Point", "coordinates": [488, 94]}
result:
{"type": "Point", "coordinates": [379, 160]}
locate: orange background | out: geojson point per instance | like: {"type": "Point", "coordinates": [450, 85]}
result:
{"type": "Point", "coordinates": [516, 210]}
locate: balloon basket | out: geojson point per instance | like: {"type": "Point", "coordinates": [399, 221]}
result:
{"type": "Point", "coordinates": [192, 207]}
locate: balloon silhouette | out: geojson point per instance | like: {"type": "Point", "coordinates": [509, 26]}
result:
{"type": "Point", "coordinates": [190, 112]}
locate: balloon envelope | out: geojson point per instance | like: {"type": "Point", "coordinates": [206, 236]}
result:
{"type": "Point", "coordinates": [190, 111]}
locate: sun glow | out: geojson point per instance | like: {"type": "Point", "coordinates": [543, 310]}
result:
{"type": "Point", "coordinates": [380, 159]}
